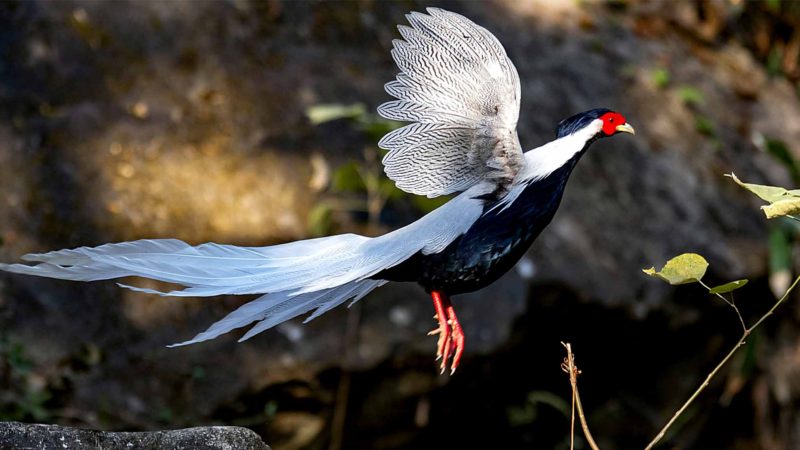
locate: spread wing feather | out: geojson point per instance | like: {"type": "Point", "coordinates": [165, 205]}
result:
{"type": "Point", "coordinates": [462, 92]}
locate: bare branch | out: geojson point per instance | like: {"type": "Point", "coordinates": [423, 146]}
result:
{"type": "Point", "coordinates": [745, 334]}
{"type": "Point", "coordinates": [569, 367]}
{"type": "Point", "coordinates": [730, 303]}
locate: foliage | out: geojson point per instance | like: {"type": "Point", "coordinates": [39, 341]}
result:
{"type": "Point", "coordinates": [371, 124]}
{"type": "Point", "coordinates": [782, 202]}
{"type": "Point", "coordinates": [690, 268]}
{"type": "Point", "coordinates": [694, 99]}
{"type": "Point", "coordinates": [23, 398]}
{"type": "Point", "coordinates": [682, 269]}
{"type": "Point", "coordinates": [690, 95]}
{"type": "Point", "coordinates": [319, 219]}
{"type": "Point", "coordinates": [727, 287]}
{"type": "Point", "coordinates": [704, 126]}
{"type": "Point", "coordinates": [660, 77]}
{"type": "Point", "coordinates": [325, 113]}
{"type": "Point", "coordinates": [768, 28]}
{"type": "Point", "coordinates": [783, 234]}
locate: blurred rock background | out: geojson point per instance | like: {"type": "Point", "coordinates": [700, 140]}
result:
{"type": "Point", "coordinates": [194, 119]}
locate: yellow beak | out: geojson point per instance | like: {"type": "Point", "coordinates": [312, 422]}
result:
{"type": "Point", "coordinates": [626, 128]}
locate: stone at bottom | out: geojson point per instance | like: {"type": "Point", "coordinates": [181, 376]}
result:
{"type": "Point", "coordinates": [16, 435]}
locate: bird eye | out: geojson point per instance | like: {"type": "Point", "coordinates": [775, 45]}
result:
{"type": "Point", "coordinates": [611, 120]}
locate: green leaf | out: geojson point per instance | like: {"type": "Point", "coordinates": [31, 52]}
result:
{"type": "Point", "coordinates": [727, 287]}
{"type": "Point", "coordinates": [704, 125]}
{"type": "Point", "coordinates": [766, 193]}
{"type": "Point", "coordinates": [660, 77]}
{"type": "Point", "coordinates": [690, 95]}
{"type": "Point", "coordinates": [318, 114]}
{"type": "Point", "coordinates": [319, 220]}
{"type": "Point", "coordinates": [775, 61]}
{"type": "Point", "coordinates": [785, 207]}
{"type": "Point", "coordinates": [271, 408]}
{"type": "Point", "coordinates": [682, 269]}
{"type": "Point", "coordinates": [347, 178]}
{"type": "Point", "coordinates": [774, 5]}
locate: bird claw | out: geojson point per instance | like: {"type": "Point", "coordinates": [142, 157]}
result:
{"type": "Point", "coordinates": [451, 336]}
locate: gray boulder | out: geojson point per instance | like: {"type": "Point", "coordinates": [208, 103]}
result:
{"type": "Point", "coordinates": [16, 435]}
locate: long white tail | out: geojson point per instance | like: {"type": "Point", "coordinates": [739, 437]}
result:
{"type": "Point", "coordinates": [296, 278]}
{"type": "Point", "coordinates": [213, 269]}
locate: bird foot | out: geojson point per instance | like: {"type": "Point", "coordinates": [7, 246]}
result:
{"type": "Point", "coordinates": [451, 336]}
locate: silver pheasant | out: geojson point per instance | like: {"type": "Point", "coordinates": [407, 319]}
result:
{"type": "Point", "coordinates": [462, 95]}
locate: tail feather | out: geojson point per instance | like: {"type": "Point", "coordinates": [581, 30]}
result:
{"type": "Point", "coordinates": [299, 277]}
{"type": "Point", "coordinates": [72, 273]}
{"type": "Point", "coordinates": [202, 291]}
{"type": "Point", "coordinates": [212, 269]}
{"type": "Point", "coordinates": [363, 288]}
{"type": "Point", "coordinates": [271, 309]}
{"type": "Point", "coordinates": [235, 270]}
{"type": "Point", "coordinates": [301, 305]}
{"type": "Point", "coordinates": [174, 249]}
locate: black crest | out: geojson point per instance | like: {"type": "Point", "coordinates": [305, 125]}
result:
{"type": "Point", "coordinates": [578, 121]}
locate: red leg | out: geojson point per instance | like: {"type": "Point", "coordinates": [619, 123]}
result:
{"type": "Point", "coordinates": [451, 336]}
{"type": "Point", "coordinates": [457, 337]}
{"type": "Point", "coordinates": [439, 302]}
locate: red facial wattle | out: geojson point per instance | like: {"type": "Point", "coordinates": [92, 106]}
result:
{"type": "Point", "coordinates": [611, 120]}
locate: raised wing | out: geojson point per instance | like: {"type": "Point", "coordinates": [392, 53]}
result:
{"type": "Point", "coordinates": [461, 90]}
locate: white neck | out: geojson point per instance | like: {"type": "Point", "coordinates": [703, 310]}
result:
{"type": "Point", "coordinates": [542, 161]}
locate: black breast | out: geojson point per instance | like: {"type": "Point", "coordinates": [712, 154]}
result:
{"type": "Point", "coordinates": [492, 245]}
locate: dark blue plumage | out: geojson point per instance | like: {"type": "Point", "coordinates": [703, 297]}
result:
{"type": "Point", "coordinates": [496, 241]}
{"type": "Point", "coordinates": [574, 123]}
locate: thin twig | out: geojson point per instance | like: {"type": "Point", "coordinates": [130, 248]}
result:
{"type": "Point", "coordinates": [569, 367]}
{"type": "Point", "coordinates": [572, 415]}
{"type": "Point", "coordinates": [745, 334]}
{"type": "Point", "coordinates": [730, 303]}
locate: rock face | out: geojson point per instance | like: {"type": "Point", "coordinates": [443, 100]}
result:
{"type": "Point", "coordinates": [16, 435]}
{"type": "Point", "coordinates": [125, 120]}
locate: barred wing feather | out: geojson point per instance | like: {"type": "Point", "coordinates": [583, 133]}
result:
{"type": "Point", "coordinates": [462, 92]}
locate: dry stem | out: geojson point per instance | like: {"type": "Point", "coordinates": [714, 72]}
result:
{"type": "Point", "coordinates": [569, 367]}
